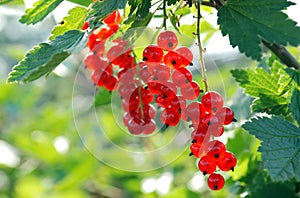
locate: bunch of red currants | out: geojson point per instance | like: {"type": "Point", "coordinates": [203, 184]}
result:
{"type": "Point", "coordinates": [161, 77]}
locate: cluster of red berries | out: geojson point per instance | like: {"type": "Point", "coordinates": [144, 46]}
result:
{"type": "Point", "coordinates": [161, 78]}
{"type": "Point", "coordinates": [208, 118]}
{"type": "Point", "coordinates": [158, 78]}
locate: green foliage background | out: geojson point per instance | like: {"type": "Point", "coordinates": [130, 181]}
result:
{"type": "Point", "coordinates": [34, 115]}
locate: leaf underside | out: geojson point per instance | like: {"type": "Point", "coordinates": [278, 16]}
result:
{"type": "Point", "coordinates": [42, 59]}
{"type": "Point", "coordinates": [280, 146]}
{"type": "Point", "coordinates": [246, 22]}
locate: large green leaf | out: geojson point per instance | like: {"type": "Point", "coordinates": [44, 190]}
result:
{"type": "Point", "coordinates": [280, 146]}
{"type": "Point", "coordinates": [74, 20]}
{"type": "Point", "coordinates": [269, 89]}
{"type": "Point", "coordinates": [247, 21]}
{"type": "Point", "coordinates": [42, 59]}
{"type": "Point", "coordinates": [39, 11]}
{"type": "Point", "coordinates": [103, 8]}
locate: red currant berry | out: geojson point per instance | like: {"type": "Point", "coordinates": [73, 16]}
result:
{"type": "Point", "coordinates": [193, 112]}
{"type": "Point", "coordinates": [167, 40]}
{"type": "Point", "coordinates": [113, 19]}
{"type": "Point", "coordinates": [112, 83]}
{"type": "Point", "coordinates": [186, 56]}
{"type": "Point", "coordinates": [135, 126]}
{"type": "Point", "coordinates": [153, 54]}
{"type": "Point", "coordinates": [170, 117]}
{"type": "Point", "coordinates": [212, 101]}
{"type": "Point", "coordinates": [190, 91]}
{"type": "Point", "coordinates": [160, 73]}
{"type": "Point", "coordinates": [207, 165]}
{"type": "Point", "coordinates": [216, 181]}
{"type": "Point", "coordinates": [149, 127]}
{"type": "Point", "coordinates": [197, 150]}
{"type": "Point", "coordinates": [226, 115]}
{"type": "Point", "coordinates": [215, 149]}
{"type": "Point", "coordinates": [181, 77]}
{"type": "Point", "coordinates": [173, 60]}
{"type": "Point", "coordinates": [85, 25]}
{"type": "Point", "coordinates": [227, 161]}
{"type": "Point", "coordinates": [100, 77]}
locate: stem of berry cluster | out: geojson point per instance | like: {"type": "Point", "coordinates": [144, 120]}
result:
{"type": "Point", "coordinates": [203, 69]}
{"type": "Point", "coordinates": [165, 14]}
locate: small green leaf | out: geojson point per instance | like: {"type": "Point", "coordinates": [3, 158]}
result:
{"type": "Point", "coordinates": [39, 11]}
{"type": "Point", "coordinates": [269, 89]}
{"type": "Point", "coordinates": [103, 97]}
{"type": "Point", "coordinates": [246, 22]}
{"type": "Point", "coordinates": [42, 59]}
{"type": "Point", "coordinates": [295, 105]}
{"type": "Point", "coordinates": [280, 146]}
{"type": "Point", "coordinates": [101, 9]}
{"type": "Point", "coordinates": [73, 21]}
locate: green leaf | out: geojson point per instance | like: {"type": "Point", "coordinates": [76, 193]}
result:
{"type": "Point", "coordinates": [101, 9]}
{"type": "Point", "coordinates": [39, 11]}
{"type": "Point", "coordinates": [4, 1]}
{"type": "Point", "coordinates": [103, 97]}
{"type": "Point", "coordinates": [246, 22]}
{"type": "Point", "coordinates": [295, 105]}
{"type": "Point", "coordinates": [74, 20]}
{"type": "Point", "coordinates": [280, 146]}
{"type": "Point", "coordinates": [141, 7]}
{"type": "Point", "coordinates": [42, 59]}
{"type": "Point", "coordinates": [85, 3]}
{"type": "Point", "coordinates": [269, 89]}
{"type": "Point", "coordinates": [172, 2]}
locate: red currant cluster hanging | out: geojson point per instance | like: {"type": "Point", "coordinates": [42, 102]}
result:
{"type": "Point", "coordinates": [162, 78]}
{"type": "Point", "coordinates": [208, 118]}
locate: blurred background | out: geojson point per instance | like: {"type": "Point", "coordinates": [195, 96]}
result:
{"type": "Point", "coordinates": [42, 154]}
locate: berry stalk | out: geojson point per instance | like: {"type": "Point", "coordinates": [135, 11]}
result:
{"type": "Point", "coordinates": [203, 69]}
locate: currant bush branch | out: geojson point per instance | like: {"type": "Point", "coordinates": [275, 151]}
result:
{"type": "Point", "coordinates": [203, 69]}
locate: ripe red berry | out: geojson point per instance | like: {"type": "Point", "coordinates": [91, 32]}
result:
{"type": "Point", "coordinates": [112, 83]}
{"type": "Point", "coordinates": [197, 150]}
{"type": "Point", "coordinates": [186, 56]}
{"type": "Point", "coordinates": [215, 181]}
{"type": "Point", "coordinates": [226, 115]}
{"type": "Point", "coordinates": [160, 73]}
{"type": "Point", "coordinates": [85, 25]}
{"type": "Point", "coordinates": [181, 77]}
{"type": "Point", "coordinates": [149, 127]}
{"type": "Point", "coordinates": [153, 54]}
{"type": "Point", "coordinates": [215, 149]}
{"type": "Point", "coordinates": [170, 117]}
{"type": "Point", "coordinates": [113, 19]}
{"type": "Point", "coordinates": [227, 161]}
{"type": "Point", "coordinates": [190, 91]}
{"type": "Point", "coordinates": [173, 60]}
{"type": "Point", "coordinates": [212, 101]}
{"type": "Point", "coordinates": [167, 40]}
{"type": "Point", "coordinates": [207, 165]}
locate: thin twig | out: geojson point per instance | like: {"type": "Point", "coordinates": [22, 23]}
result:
{"type": "Point", "coordinates": [203, 69]}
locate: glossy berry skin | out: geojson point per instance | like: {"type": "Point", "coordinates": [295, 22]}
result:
{"type": "Point", "coordinates": [196, 150]}
{"type": "Point", "coordinates": [190, 91]}
{"type": "Point", "coordinates": [167, 40]}
{"type": "Point", "coordinates": [153, 54]}
{"type": "Point", "coordinates": [186, 56]}
{"type": "Point", "coordinates": [215, 149]}
{"type": "Point", "coordinates": [181, 77]}
{"type": "Point", "coordinates": [212, 101]}
{"type": "Point", "coordinates": [173, 60]}
{"type": "Point", "coordinates": [112, 83]}
{"type": "Point", "coordinates": [149, 127]}
{"type": "Point", "coordinates": [113, 19]}
{"type": "Point", "coordinates": [207, 165]}
{"type": "Point", "coordinates": [215, 181]}
{"type": "Point", "coordinates": [170, 117]}
{"type": "Point", "coordinates": [226, 115]}
{"type": "Point", "coordinates": [160, 73]}
{"type": "Point", "coordinates": [227, 161]}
